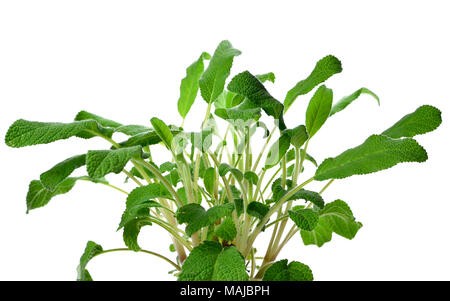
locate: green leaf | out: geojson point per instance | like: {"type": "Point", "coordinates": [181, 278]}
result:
{"type": "Point", "coordinates": [39, 196]}
{"type": "Point", "coordinates": [224, 168]}
{"type": "Point", "coordinates": [251, 177]}
{"type": "Point", "coordinates": [423, 120]}
{"type": "Point", "coordinates": [167, 166]}
{"type": "Point", "coordinates": [226, 230]}
{"type": "Point", "coordinates": [83, 115]}
{"type": "Point", "coordinates": [318, 109]}
{"type": "Point", "coordinates": [210, 262]}
{"type": "Point", "coordinates": [376, 153]}
{"type": "Point", "coordinates": [278, 150]}
{"type": "Point", "coordinates": [101, 162]}
{"type": "Point", "coordinates": [291, 156]}
{"type": "Point", "coordinates": [299, 135]}
{"type": "Point", "coordinates": [323, 70]}
{"type": "Point", "coordinates": [266, 77]}
{"type": "Point", "coordinates": [258, 210]}
{"type": "Point", "coordinates": [25, 133]}
{"type": "Point", "coordinates": [213, 79]}
{"type": "Point", "coordinates": [58, 173]}
{"type": "Point", "coordinates": [345, 101]}
{"type": "Point", "coordinates": [131, 232]}
{"type": "Point", "coordinates": [249, 86]}
{"type": "Point", "coordinates": [196, 217]}
{"type": "Point", "coordinates": [145, 138]}
{"type": "Point", "coordinates": [336, 217]}
{"type": "Point", "coordinates": [92, 249]}
{"type": "Point", "coordinates": [210, 179]}
{"type": "Point", "coordinates": [189, 85]}
{"type": "Point", "coordinates": [163, 131]}
{"type": "Point", "coordinates": [310, 196]}
{"type": "Point", "coordinates": [281, 271]}
{"type": "Point", "coordinates": [305, 219]}
{"type": "Point", "coordinates": [245, 111]}
{"type": "Point", "coordinates": [132, 129]}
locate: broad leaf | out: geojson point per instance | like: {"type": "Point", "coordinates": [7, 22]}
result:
{"type": "Point", "coordinates": [305, 219]}
{"type": "Point", "coordinates": [336, 217]}
{"type": "Point", "coordinates": [281, 271]}
{"type": "Point", "coordinates": [310, 196]}
{"type": "Point", "coordinates": [58, 173]}
{"type": "Point", "coordinates": [92, 249]}
{"type": "Point", "coordinates": [249, 86]}
{"type": "Point", "coordinates": [131, 232]}
{"type": "Point", "coordinates": [258, 210]}
{"type": "Point", "coordinates": [24, 133]}
{"type": "Point", "coordinates": [226, 230]}
{"type": "Point", "coordinates": [101, 162]}
{"type": "Point", "coordinates": [318, 109]}
{"type": "Point", "coordinates": [163, 131]}
{"type": "Point", "coordinates": [213, 79]}
{"type": "Point", "coordinates": [376, 153]}
{"type": "Point", "coordinates": [83, 115]}
{"type": "Point", "coordinates": [345, 101]}
{"type": "Point", "coordinates": [323, 70]}
{"type": "Point", "coordinates": [210, 262]}
{"type": "Point", "coordinates": [423, 120]}
{"type": "Point", "coordinates": [189, 85]}
{"type": "Point", "coordinates": [299, 135]}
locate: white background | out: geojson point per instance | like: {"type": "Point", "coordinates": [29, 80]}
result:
{"type": "Point", "coordinates": [125, 59]}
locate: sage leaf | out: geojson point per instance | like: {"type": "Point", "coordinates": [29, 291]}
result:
{"type": "Point", "coordinates": [282, 271]}
{"type": "Point", "coordinates": [210, 179]}
{"type": "Point", "coordinates": [226, 230]}
{"type": "Point", "coordinates": [258, 210]}
{"type": "Point", "coordinates": [278, 150]}
{"type": "Point", "coordinates": [102, 162]}
{"type": "Point", "coordinates": [83, 115]}
{"type": "Point", "coordinates": [318, 109]}
{"type": "Point", "coordinates": [92, 249]}
{"type": "Point", "coordinates": [58, 173]}
{"type": "Point", "coordinates": [131, 232]}
{"type": "Point", "coordinates": [345, 101]}
{"type": "Point", "coordinates": [266, 77]}
{"type": "Point", "coordinates": [304, 219]}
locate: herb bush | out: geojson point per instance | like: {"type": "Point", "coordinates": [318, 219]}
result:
{"type": "Point", "coordinates": [212, 196]}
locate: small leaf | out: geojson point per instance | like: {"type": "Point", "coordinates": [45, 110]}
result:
{"type": "Point", "coordinates": [258, 210]}
{"type": "Point", "coordinates": [189, 85]}
{"type": "Point", "coordinates": [278, 150]}
{"type": "Point", "coordinates": [249, 86]}
{"type": "Point", "coordinates": [225, 168]}
{"type": "Point", "coordinates": [39, 196]}
{"type": "Point", "coordinates": [281, 271]}
{"type": "Point", "coordinates": [209, 261]}
{"type": "Point", "coordinates": [423, 120]}
{"type": "Point", "coordinates": [101, 162]}
{"type": "Point", "coordinates": [163, 131]}
{"type": "Point", "coordinates": [213, 79]}
{"type": "Point", "coordinates": [305, 219]}
{"type": "Point", "coordinates": [266, 77]}
{"type": "Point", "coordinates": [336, 217]}
{"type": "Point", "coordinates": [58, 173]}
{"type": "Point", "coordinates": [310, 196]}
{"type": "Point", "coordinates": [131, 232]}
{"type": "Point", "coordinates": [345, 101]}
{"type": "Point", "coordinates": [251, 177]}
{"type": "Point", "coordinates": [376, 153]}
{"type": "Point", "coordinates": [92, 249]}
{"type": "Point", "coordinates": [299, 135]}
{"type": "Point", "coordinates": [226, 230]}
{"type": "Point", "coordinates": [323, 70]}
{"type": "Point", "coordinates": [210, 179]}
{"type": "Point", "coordinates": [318, 109]}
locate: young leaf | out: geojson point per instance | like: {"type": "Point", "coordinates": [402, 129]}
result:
{"type": "Point", "coordinates": [278, 150]}
{"type": "Point", "coordinates": [310, 196]}
{"type": "Point", "coordinates": [305, 219]}
{"type": "Point", "coordinates": [226, 230]}
{"type": "Point", "coordinates": [281, 271]}
{"type": "Point", "coordinates": [92, 249]}
{"type": "Point", "coordinates": [58, 173]}
{"type": "Point", "coordinates": [39, 196]}
{"type": "Point", "coordinates": [189, 85]}
{"type": "Point", "coordinates": [249, 86]}
{"type": "Point", "coordinates": [131, 232]}
{"type": "Point", "coordinates": [101, 162]}
{"type": "Point", "coordinates": [345, 101]}
{"type": "Point", "coordinates": [376, 153]}
{"type": "Point", "coordinates": [266, 77]}
{"type": "Point", "coordinates": [299, 135]}
{"type": "Point", "coordinates": [224, 168]}
{"type": "Point", "coordinates": [210, 179]}
{"type": "Point", "coordinates": [213, 79]}
{"type": "Point", "coordinates": [318, 109]}
{"type": "Point", "coordinates": [163, 131]}
{"type": "Point", "coordinates": [251, 177]}
{"type": "Point", "coordinates": [323, 70]}
{"type": "Point", "coordinates": [209, 262]}
{"type": "Point", "coordinates": [336, 217]}
{"type": "Point", "coordinates": [423, 120]}
{"type": "Point", "coordinates": [25, 133]}
{"type": "Point", "coordinates": [258, 210]}
{"type": "Point", "coordinates": [83, 115]}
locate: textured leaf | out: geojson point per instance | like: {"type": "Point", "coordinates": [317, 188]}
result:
{"type": "Point", "coordinates": [258, 210]}
{"type": "Point", "coordinates": [423, 120]}
{"type": "Point", "coordinates": [336, 217]}
{"type": "Point", "coordinates": [376, 153]}
{"type": "Point", "coordinates": [209, 262]}
{"type": "Point", "coordinates": [345, 101]}
{"type": "Point", "coordinates": [132, 129]}
{"type": "Point", "coordinates": [310, 196]}
{"type": "Point", "coordinates": [323, 70]}
{"type": "Point", "coordinates": [131, 232]}
{"type": "Point", "coordinates": [249, 86]}
{"type": "Point", "coordinates": [266, 77]}
{"type": "Point", "coordinates": [163, 131]}
{"type": "Point", "coordinates": [318, 109]}
{"type": "Point", "coordinates": [101, 162]}
{"type": "Point", "coordinates": [226, 230]}
{"type": "Point", "coordinates": [299, 135]}
{"type": "Point", "coordinates": [210, 179]}
{"type": "Point", "coordinates": [251, 177]}
{"type": "Point", "coordinates": [213, 79]}
{"type": "Point", "coordinates": [39, 196]}
{"type": "Point", "coordinates": [58, 173]}
{"type": "Point", "coordinates": [92, 249]}
{"type": "Point", "coordinates": [305, 219]}
{"type": "Point", "coordinates": [224, 168]}
{"type": "Point", "coordinates": [24, 133]}
{"type": "Point", "coordinates": [83, 115]}
{"type": "Point", "coordinates": [244, 111]}
{"type": "Point", "coordinates": [189, 85]}
{"type": "Point", "coordinates": [281, 271]}
{"type": "Point", "coordinates": [278, 150]}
